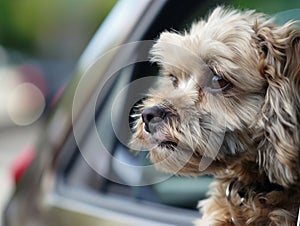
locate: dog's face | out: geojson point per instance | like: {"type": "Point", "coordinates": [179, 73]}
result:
{"type": "Point", "coordinates": [225, 94]}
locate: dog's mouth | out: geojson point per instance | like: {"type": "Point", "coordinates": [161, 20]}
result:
{"type": "Point", "coordinates": [159, 139]}
{"type": "Point", "coordinates": [168, 144]}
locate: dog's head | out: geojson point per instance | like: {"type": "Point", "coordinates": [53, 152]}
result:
{"type": "Point", "coordinates": [230, 88]}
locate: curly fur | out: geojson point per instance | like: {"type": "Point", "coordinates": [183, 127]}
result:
{"type": "Point", "coordinates": [247, 134]}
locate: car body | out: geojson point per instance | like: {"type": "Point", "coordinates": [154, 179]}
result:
{"type": "Point", "coordinates": [77, 180]}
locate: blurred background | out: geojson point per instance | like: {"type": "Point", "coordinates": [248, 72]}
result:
{"type": "Point", "coordinates": [40, 43]}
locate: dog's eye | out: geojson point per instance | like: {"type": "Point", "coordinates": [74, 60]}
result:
{"type": "Point", "coordinates": [174, 80]}
{"type": "Point", "coordinates": [218, 83]}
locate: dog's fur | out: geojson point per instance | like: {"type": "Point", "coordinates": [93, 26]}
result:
{"type": "Point", "coordinates": [245, 132]}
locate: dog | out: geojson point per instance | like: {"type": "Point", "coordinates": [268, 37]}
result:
{"type": "Point", "coordinates": [228, 104]}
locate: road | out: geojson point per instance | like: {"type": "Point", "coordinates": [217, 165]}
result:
{"type": "Point", "coordinates": [12, 141]}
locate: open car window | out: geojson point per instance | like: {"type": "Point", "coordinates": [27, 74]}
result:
{"type": "Point", "coordinates": [97, 170]}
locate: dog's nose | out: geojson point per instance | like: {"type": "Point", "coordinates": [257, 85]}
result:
{"type": "Point", "coordinates": [152, 116]}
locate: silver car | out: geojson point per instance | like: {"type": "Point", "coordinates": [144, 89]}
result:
{"type": "Point", "coordinates": [83, 173]}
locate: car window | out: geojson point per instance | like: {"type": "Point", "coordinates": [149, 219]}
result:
{"type": "Point", "coordinates": [83, 168]}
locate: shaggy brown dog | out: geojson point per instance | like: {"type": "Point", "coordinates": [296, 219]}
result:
{"type": "Point", "coordinates": [228, 105]}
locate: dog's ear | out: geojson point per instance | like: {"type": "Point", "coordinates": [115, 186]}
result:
{"type": "Point", "coordinates": [279, 51]}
